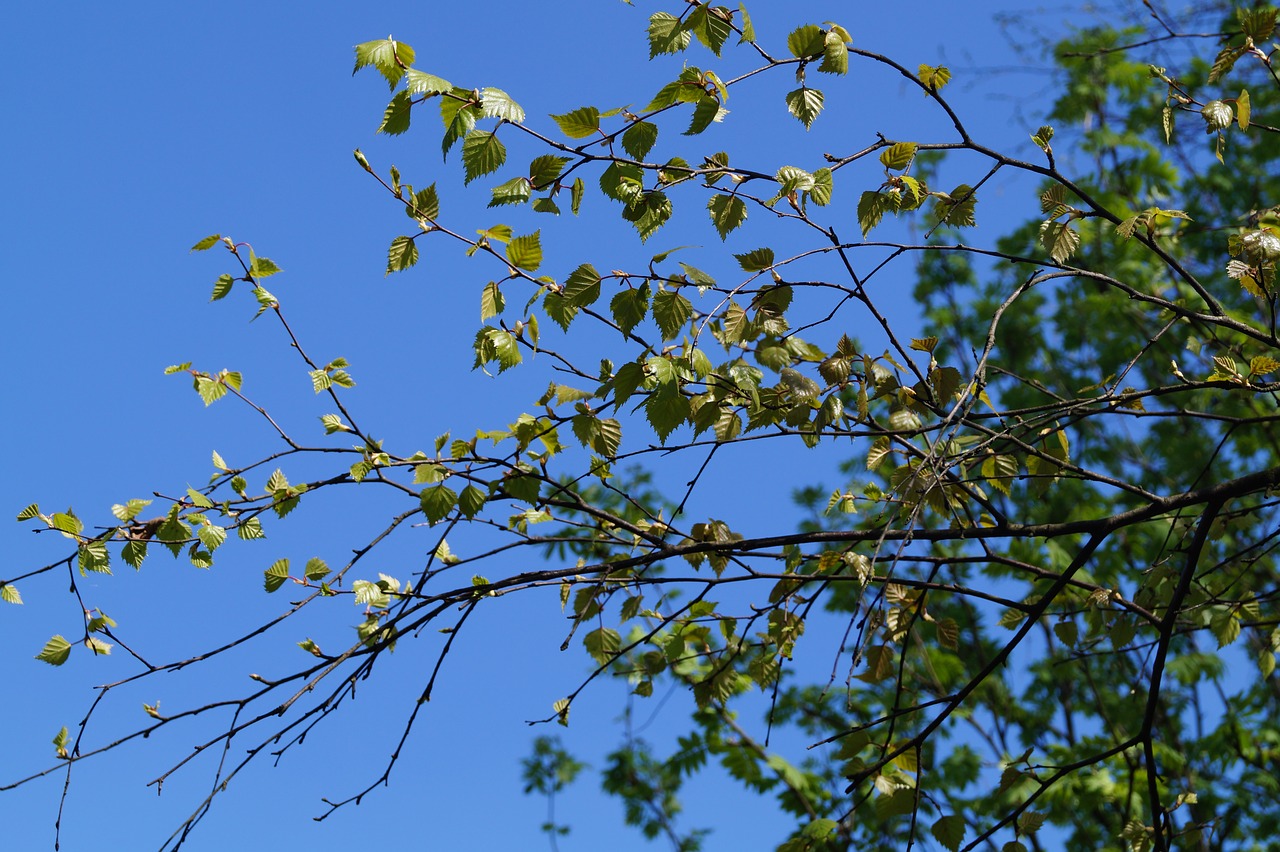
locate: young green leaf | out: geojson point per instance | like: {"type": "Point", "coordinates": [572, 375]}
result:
{"type": "Point", "coordinates": [1059, 239]}
{"type": "Point", "coordinates": [727, 213]}
{"type": "Point", "coordinates": [495, 103]}
{"type": "Point", "coordinates": [482, 154]}
{"type": "Point", "coordinates": [671, 311]}
{"type": "Point", "coordinates": [898, 155]}
{"type": "Point", "coordinates": [805, 104]}
{"type": "Point", "coordinates": [934, 78]}
{"type": "Point", "coordinates": [579, 123]}
{"type": "Point", "coordinates": [544, 170]}
{"type": "Point", "coordinates": [389, 56]}
{"type": "Point", "coordinates": [437, 501]}
{"type": "Point", "coordinates": [55, 652]}
{"type": "Point", "coordinates": [421, 83]}
{"type": "Point", "coordinates": [666, 34]}
{"type": "Point", "coordinates": [638, 139]}
{"type": "Point", "coordinates": [807, 40]}
{"type": "Point", "coordinates": [402, 254]}
{"type": "Point", "coordinates": [525, 252]}
{"type": "Point", "coordinates": [275, 576]}
{"type": "Point", "coordinates": [396, 117]}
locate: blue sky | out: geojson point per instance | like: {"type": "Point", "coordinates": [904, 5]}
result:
{"type": "Point", "coordinates": [136, 129]}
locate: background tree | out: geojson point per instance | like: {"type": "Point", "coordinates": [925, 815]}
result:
{"type": "Point", "coordinates": [1030, 591]}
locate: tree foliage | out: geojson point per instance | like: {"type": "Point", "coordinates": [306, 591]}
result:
{"type": "Point", "coordinates": [1045, 560]}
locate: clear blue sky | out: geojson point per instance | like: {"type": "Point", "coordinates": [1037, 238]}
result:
{"type": "Point", "coordinates": [137, 128]}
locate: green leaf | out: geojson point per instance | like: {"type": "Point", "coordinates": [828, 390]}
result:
{"type": "Point", "coordinates": [748, 29]}
{"type": "Point", "coordinates": [949, 831]}
{"type": "Point", "coordinates": [666, 35]}
{"type": "Point", "coordinates": [687, 89]}
{"type": "Point", "coordinates": [491, 301]}
{"type": "Point", "coordinates": [67, 523]}
{"type": "Point", "coordinates": [426, 204]}
{"type": "Point", "coordinates": [835, 55]}
{"type": "Point", "coordinates": [421, 83]}
{"type": "Point", "coordinates": [134, 552]}
{"type": "Point", "coordinates": [525, 252]}
{"type": "Point", "coordinates": [934, 78]}
{"type": "Point", "coordinates": [207, 243]}
{"type": "Point", "coordinates": [496, 344]}
{"type": "Point", "coordinates": [1225, 625]}
{"type": "Point", "coordinates": [94, 556]}
{"type": "Point", "coordinates": [1059, 239]}
{"type": "Point", "coordinates": [126, 513]}
{"type": "Point", "coordinates": [9, 594]}
{"type": "Point", "coordinates": [316, 569]}
{"type": "Point", "coordinates": [819, 829]}
{"type": "Point", "coordinates": [395, 119]}
{"type": "Point", "coordinates": [898, 155]}
{"type": "Point", "coordinates": [756, 260]}
{"type": "Point", "coordinates": [629, 307]}
{"type": "Point", "coordinates": [60, 741]}
{"type": "Point", "coordinates": [544, 170]}
{"type": "Point", "coordinates": [871, 209]}
{"type": "Point", "coordinates": [389, 56]}
{"type": "Point", "coordinates": [582, 287]}
{"type": "Point", "coordinates": [958, 207]}
{"type": "Point", "coordinates": [482, 153]}
{"type": "Point", "coordinates": [459, 112]}
{"type": "Point", "coordinates": [498, 233]}
{"type": "Point", "coordinates": [639, 139]}
{"type": "Point", "coordinates": [793, 179]}
{"type": "Point", "coordinates": [261, 267]}
{"type": "Point", "coordinates": [897, 802]}
{"type": "Point", "coordinates": [437, 502]}
{"type": "Point", "coordinates": [805, 104]}
{"type": "Point", "coordinates": [666, 409]}
{"type": "Point", "coordinates": [705, 113]}
{"type": "Point", "coordinates": [472, 500]}
{"type": "Point", "coordinates": [1258, 24]}
{"type": "Point", "coordinates": [514, 191]}
{"type": "Point", "coordinates": [649, 213]}
{"type": "Point", "coordinates": [1029, 822]}
{"type": "Point", "coordinates": [622, 182]}
{"type": "Point", "coordinates": [579, 123]}
{"type": "Point", "coordinates": [402, 254]}
{"type": "Point", "coordinates": [495, 103]}
{"type": "Point", "coordinates": [56, 651]}
{"type": "Point", "coordinates": [275, 576]}
{"type": "Point", "coordinates": [808, 40]}
{"type": "Point", "coordinates": [728, 212]}
{"type": "Point", "coordinates": [823, 187]}
{"type": "Point", "coordinates": [602, 644]}
{"type": "Point", "coordinates": [250, 529]}
{"type": "Point", "coordinates": [1000, 471]}
{"type": "Point", "coordinates": [576, 192]}
{"type": "Point", "coordinates": [671, 311]}
{"type": "Point", "coordinates": [710, 25]}
{"type": "Point", "coordinates": [604, 436]}
{"type": "Point", "coordinates": [1261, 365]}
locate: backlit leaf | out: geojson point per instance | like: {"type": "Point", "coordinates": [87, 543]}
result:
{"type": "Point", "coordinates": [55, 652]}
{"type": "Point", "coordinates": [805, 104]}
{"type": "Point", "coordinates": [727, 213]}
{"type": "Point", "coordinates": [579, 123]}
{"type": "Point", "coordinates": [482, 154]}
